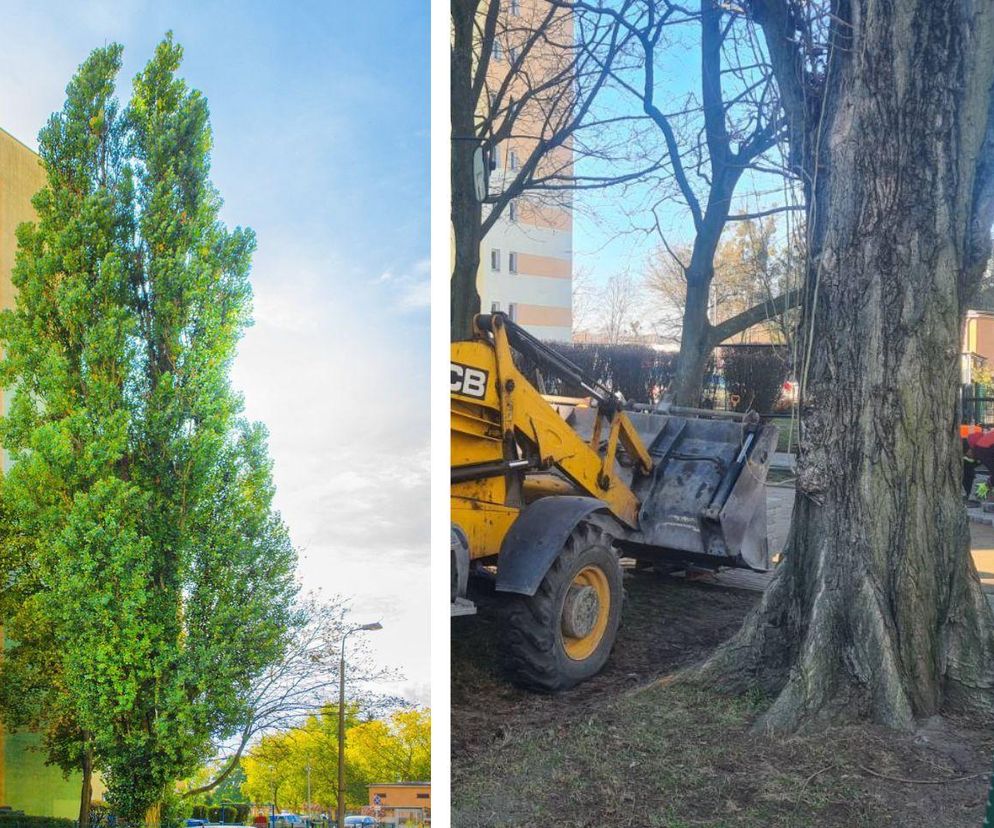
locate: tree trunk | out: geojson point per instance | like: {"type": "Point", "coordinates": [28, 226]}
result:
{"type": "Point", "coordinates": [153, 814]}
{"type": "Point", "coordinates": [466, 211]}
{"type": "Point", "coordinates": [876, 611]}
{"type": "Point", "coordinates": [464, 295]}
{"type": "Point", "coordinates": [695, 343]}
{"type": "Point", "coordinates": [86, 788]}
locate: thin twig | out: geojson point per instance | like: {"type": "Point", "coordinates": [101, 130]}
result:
{"type": "Point", "coordinates": [922, 781]}
{"type": "Point", "coordinates": [804, 785]}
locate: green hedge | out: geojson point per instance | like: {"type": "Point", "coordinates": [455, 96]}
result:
{"type": "Point", "coordinates": [234, 813]}
{"type": "Point", "coordinates": [13, 819]}
{"type": "Point", "coordinates": [754, 374]}
{"type": "Point", "coordinates": [638, 372]}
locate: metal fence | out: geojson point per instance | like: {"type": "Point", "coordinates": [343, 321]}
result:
{"type": "Point", "coordinates": [977, 405]}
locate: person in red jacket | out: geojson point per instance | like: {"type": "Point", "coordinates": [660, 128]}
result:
{"type": "Point", "coordinates": [980, 449]}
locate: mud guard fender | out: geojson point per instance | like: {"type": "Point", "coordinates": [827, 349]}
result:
{"type": "Point", "coordinates": [536, 538]}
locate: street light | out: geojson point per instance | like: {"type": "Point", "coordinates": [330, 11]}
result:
{"type": "Point", "coordinates": [376, 625]}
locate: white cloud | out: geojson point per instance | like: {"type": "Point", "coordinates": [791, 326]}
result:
{"type": "Point", "coordinates": [346, 405]}
{"type": "Point", "coordinates": [410, 289]}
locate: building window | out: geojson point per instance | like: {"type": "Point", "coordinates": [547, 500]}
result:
{"type": "Point", "coordinates": [512, 262]}
{"type": "Point", "coordinates": [495, 259]}
{"type": "Point", "coordinates": [512, 160]}
{"type": "Point", "coordinates": [512, 311]}
{"type": "Point", "coordinates": [423, 796]}
{"type": "Point", "coordinates": [512, 53]}
{"type": "Point", "coordinates": [512, 210]}
{"type": "Point", "coordinates": [516, 8]}
{"type": "Point", "coordinates": [498, 51]}
{"type": "Point", "coordinates": [495, 307]}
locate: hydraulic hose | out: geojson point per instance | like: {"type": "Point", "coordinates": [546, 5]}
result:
{"type": "Point", "coordinates": [544, 356]}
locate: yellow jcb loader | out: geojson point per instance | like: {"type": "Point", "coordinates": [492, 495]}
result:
{"type": "Point", "coordinates": [548, 493]}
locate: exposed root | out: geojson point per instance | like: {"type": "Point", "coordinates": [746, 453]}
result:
{"type": "Point", "coordinates": [842, 662]}
{"type": "Point", "coordinates": [968, 649]}
{"type": "Point", "coordinates": [758, 654]}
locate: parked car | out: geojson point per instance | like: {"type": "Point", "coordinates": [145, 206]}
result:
{"type": "Point", "coordinates": [360, 821]}
{"type": "Point", "coordinates": [288, 821]}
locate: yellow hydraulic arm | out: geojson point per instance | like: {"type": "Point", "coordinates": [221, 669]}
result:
{"type": "Point", "coordinates": [525, 418]}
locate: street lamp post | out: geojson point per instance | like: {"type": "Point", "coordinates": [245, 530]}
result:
{"type": "Point", "coordinates": [376, 625]}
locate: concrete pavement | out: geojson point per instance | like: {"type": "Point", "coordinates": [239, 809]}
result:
{"type": "Point", "coordinates": [780, 502]}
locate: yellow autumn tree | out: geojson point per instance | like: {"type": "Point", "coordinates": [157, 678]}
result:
{"type": "Point", "coordinates": [750, 267]}
{"type": "Point", "coordinates": [396, 749]}
{"type": "Point", "coordinates": [389, 749]}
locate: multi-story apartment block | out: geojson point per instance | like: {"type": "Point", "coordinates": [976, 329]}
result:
{"type": "Point", "coordinates": [526, 259]}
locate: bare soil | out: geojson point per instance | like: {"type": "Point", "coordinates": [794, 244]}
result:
{"type": "Point", "coordinates": [629, 749]}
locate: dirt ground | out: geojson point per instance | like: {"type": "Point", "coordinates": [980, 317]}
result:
{"type": "Point", "coordinates": [622, 750]}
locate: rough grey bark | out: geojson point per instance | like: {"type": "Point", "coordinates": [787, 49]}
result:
{"type": "Point", "coordinates": [466, 211]}
{"type": "Point", "coordinates": [876, 611]}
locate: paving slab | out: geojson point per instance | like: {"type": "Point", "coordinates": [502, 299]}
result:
{"type": "Point", "coordinates": [780, 504]}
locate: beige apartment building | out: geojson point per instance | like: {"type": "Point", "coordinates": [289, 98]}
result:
{"type": "Point", "coordinates": [977, 354]}
{"type": "Point", "coordinates": [526, 260]}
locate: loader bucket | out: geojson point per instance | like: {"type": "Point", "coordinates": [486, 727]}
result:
{"type": "Point", "coordinates": [706, 494]}
{"type": "Point", "coordinates": [705, 499]}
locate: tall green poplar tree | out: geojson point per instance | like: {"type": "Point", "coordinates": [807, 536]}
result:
{"type": "Point", "coordinates": [143, 496]}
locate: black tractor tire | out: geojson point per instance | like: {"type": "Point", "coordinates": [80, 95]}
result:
{"type": "Point", "coordinates": [533, 646]}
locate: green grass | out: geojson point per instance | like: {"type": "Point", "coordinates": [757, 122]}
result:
{"type": "Point", "coordinates": [784, 434]}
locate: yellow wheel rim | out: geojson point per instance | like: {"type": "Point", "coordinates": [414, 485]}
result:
{"type": "Point", "coordinates": [585, 612]}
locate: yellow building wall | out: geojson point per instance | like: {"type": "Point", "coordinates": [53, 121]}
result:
{"type": "Point", "coordinates": [26, 783]}
{"type": "Point", "coordinates": [21, 176]}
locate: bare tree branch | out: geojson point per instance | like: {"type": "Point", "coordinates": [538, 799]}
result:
{"type": "Point", "coordinates": [771, 212]}
{"type": "Point", "coordinates": [301, 682]}
{"type": "Point", "coordinates": [762, 312]}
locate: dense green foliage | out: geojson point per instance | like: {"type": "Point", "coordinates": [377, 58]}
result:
{"type": "Point", "coordinates": [137, 513]}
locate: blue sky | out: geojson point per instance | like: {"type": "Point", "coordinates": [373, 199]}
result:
{"type": "Point", "coordinates": [605, 239]}
{"type": "Point", "coordinates": [614, 227]}
{"type": "Point", "coordinates": [320, 116]}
